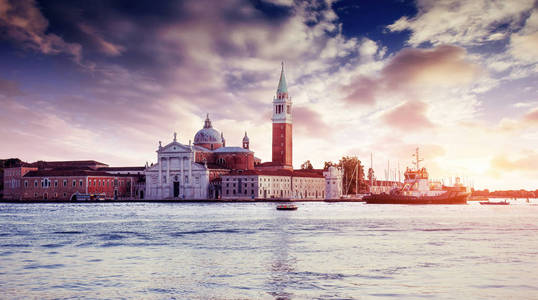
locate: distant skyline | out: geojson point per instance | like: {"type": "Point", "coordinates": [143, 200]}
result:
{"type": "Point", "coordinates": [106, 80]}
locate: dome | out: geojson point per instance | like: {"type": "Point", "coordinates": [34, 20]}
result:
{"type": "Point", "coordinates": [208, 135]}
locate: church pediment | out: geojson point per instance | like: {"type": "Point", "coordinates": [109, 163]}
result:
{"type": "Point", "coordinates": [175, 147]}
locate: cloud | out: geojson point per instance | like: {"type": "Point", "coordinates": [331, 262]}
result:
{"type": "Point", "coordinates": [524, 47]}
{"type": "Point", "coordinates": [461, 22]}
{"type": "Point", "coordinates": [410, 115]}
{"type": "Point", "coordinates": [413, 70]}
{"type": "Point", "coordinates": [104, 46]}
{"type": "Point", "coordinates": [528, 162]}
{"type": "Point", "coordinates": [9, 88]}
{"type": "Point", "coordinates": [23, 22]}
{"type": "Point", "coordinates": [308, 122]}
{"type": "Point", "coordinates": [531, 116]}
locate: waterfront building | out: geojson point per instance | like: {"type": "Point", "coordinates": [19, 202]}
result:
{"type": "Point", "coordinates": [64, 180]}
{"type": "Point", "coordinates": [333, 183]}
{"type": "Point", "coordinates": [177, 175]}
{"type": "Point", "coordinates": [274, 184]}
{"type": "Point", "coordinates": [210, 147]}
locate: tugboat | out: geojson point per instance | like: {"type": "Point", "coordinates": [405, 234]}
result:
{"type": "Point", "coordinates": [418, 190]}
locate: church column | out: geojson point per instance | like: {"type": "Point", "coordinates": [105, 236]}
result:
{"type": "Point", "coordinates": [160, 187]}
{"type": "Point", "coordinates": [182, 163]}
{"type": "Point", "coordinates": [168, 179]}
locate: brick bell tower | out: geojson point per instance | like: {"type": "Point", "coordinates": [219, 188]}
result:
{"type": "Point", "coordinates": [282, 125]}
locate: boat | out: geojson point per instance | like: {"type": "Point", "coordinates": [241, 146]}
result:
{"type": "Point", "coordinates": [417, 189]}
{"type": "Point", "coordinates": [495, 203]}
{"type": "Point", "coordinates": [286, 207]}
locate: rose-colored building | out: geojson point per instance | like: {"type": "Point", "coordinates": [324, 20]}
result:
{"type": "Point", "coordinates": [65, 180]}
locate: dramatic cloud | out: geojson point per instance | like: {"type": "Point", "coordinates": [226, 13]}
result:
{"type": "Point", "coordinates": [105, 47]}
{"type": "Point", "coordinates": [308, 122]}
{"type": "Point", "coordinates": [528, 162]}
{"type": "Point", "coordinates": [531, 116]}
{"type": "Point", "coordinates": [415, 70]}
{"type": "Point", "coordinates": [461, 22]}
{"type": "Point", "coordinates": [160, 67]}
{"type": "Point", "coordinates": [410, 115]}
{"type": "Point", "coordinates": [24, 23]}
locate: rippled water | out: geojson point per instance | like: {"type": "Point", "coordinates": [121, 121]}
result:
{"type": "Point", "coordinates": [247, 250]}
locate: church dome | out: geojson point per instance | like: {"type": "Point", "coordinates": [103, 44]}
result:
{"type": "Point", "coordinates": [207, 135]}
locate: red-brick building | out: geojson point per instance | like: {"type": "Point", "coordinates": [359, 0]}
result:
{"type": "Point", "coordinates": [65, 180]}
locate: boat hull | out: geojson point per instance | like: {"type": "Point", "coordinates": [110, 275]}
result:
{"type": "Point", "coordinates": [450, 197]}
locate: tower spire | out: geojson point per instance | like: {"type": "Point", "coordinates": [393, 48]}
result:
{"type": "Point", "coordinates": [282, 90]}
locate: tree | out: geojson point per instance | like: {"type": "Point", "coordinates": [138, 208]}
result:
{"type": "Point", "coordinates": [353, 175]}
{"type": "Point", "coordinates": [371, 175]}
{"type": "Point", "coordinates": [328, 164]}
{"type": "Point", "coordinates": [307, 165]}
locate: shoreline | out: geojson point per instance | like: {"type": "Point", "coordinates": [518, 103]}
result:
{"type": "Point", "coordinates": [179, 201]}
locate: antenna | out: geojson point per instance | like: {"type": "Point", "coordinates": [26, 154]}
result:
{"type": "Point", "coordinates": [417, 159]}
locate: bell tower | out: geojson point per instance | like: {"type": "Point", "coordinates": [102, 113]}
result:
{"type": "Point", "coordinates": [282, 124]}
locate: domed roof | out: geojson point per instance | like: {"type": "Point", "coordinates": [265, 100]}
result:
{"type": "Point", "coordinates": [207, 135]}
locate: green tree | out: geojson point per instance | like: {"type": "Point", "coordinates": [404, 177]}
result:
{"type": "Point", "coordinates": [328, 164]}
{"type": "Point", "coordinates": [353, 175]}
{"type": "Point", "coordinates": [307, 165]}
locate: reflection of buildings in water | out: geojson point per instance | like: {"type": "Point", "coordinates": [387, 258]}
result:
{"type": "Point", "coordinates": [282, 265]}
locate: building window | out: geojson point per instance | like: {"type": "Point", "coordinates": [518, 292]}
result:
{"type": "Point", "coordinates": [55, 183]}
{"type": "Point", "coordinates": [74, 183]}
{"type": "Point", "coordinates": [35, 184]}
{"type": "Point", "coordinates": [234, 192]}
{"type": "Point", "coordinates": [55, 195]}
{"type": "Point", "coordinates": [65, 182]}
{"type": "Point", "coordinates": [80, 183]}
{"type": "Point", "coordinates": [35, 195]}
{"type": "Point", "coordinates": [65, 195]}
{"type": "Point", "coordinates": [26, 183]}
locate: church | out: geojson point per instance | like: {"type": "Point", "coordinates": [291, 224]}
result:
{"type": "Point", "coordinates": [208, 169]}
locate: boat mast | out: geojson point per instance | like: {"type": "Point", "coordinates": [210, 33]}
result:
{"type": "Point", "coordinates": [418, 160]}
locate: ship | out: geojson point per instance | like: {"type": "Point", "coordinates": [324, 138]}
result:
{"type": "Point", "coordinates": [417, 189]}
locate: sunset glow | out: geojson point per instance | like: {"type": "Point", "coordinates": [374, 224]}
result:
{"type": "Point", "coordinates": [81, 80]}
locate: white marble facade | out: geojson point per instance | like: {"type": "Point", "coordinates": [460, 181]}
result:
{"type": "Point", "coordinates": [176, 175]}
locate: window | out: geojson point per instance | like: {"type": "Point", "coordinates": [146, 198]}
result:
{"type": "Point", "coordinates": [26, 183]}
{"type": "Point", "coordinates": [56, 183]}
{"type": "Point", "coordinates": [55, 195]}
{"type": "Point", "coordinates": [35, 195]}
{"type": "Point", "coordinates": [74, 183]}
{"type": "Point", "coordinates": [65, 195]}
{"type": "Point", "coordinates": [35, 184]}
{"type": "Point", "coordinates": [234, 192]}
{"type": "Point", "coordinates": [164, 178]}
{"type": "Point", "coordinates": [65, 182]}
{"type": "Point", "coordinates": [80, 183]}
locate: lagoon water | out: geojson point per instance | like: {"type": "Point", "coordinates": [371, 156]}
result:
{"type": "Point", "coordinates": [252, 251]}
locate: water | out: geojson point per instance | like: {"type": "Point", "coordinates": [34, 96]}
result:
{"type": "Point", "coordinates": [252, 251]}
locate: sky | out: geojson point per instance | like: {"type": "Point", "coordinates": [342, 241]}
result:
{"type": "Point", "coordinates": [108, 80]}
